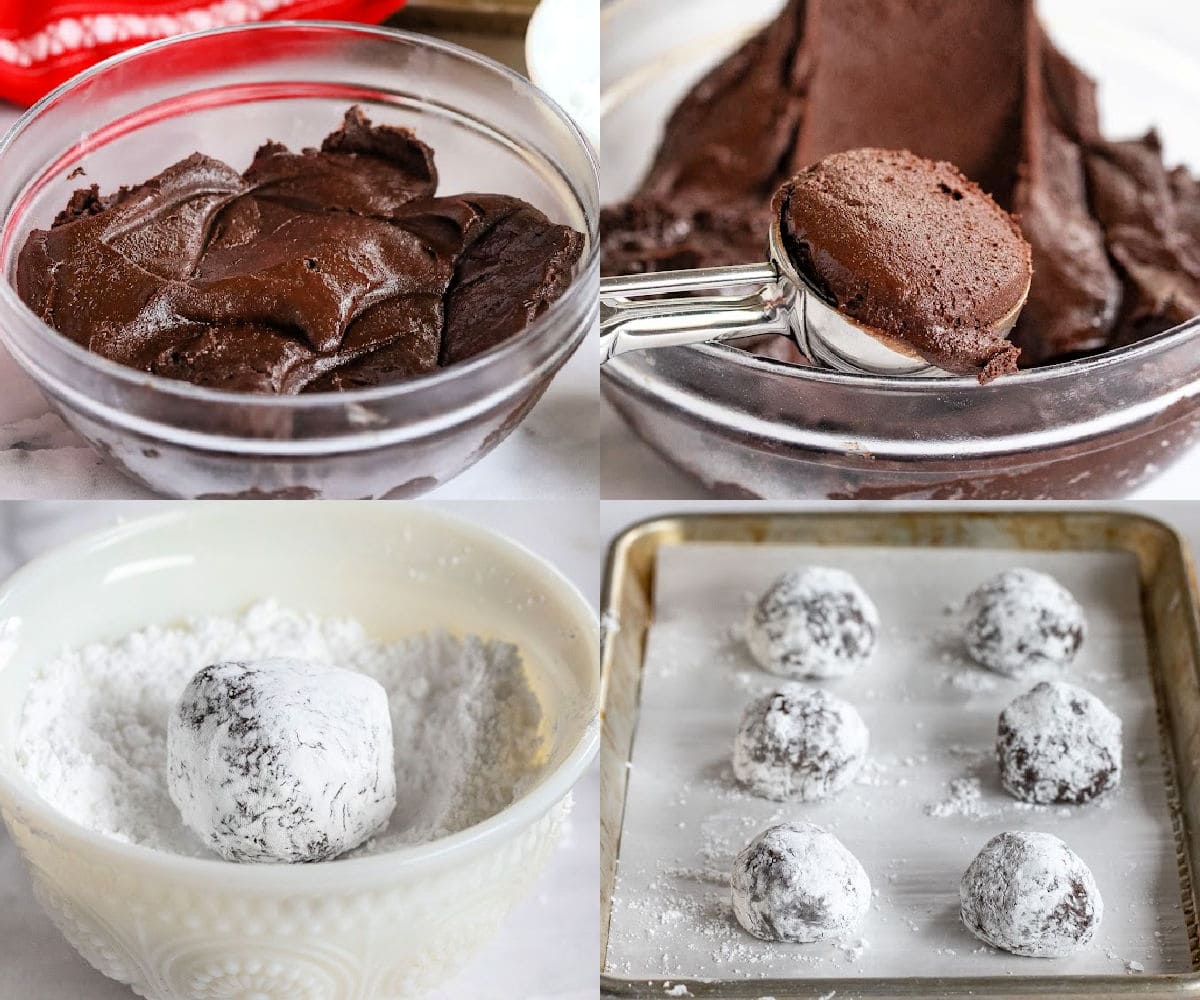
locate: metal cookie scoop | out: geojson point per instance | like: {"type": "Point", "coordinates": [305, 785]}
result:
{"type": "Point", "coordinates": [637, 312]}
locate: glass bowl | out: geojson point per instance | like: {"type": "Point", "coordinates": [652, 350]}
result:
{"type": "Point", "coordinates": [749, 426]}
{"type": "Point", "coordinates": [224, 92]}
{"type": "Point", "coordinates": [386, 926]}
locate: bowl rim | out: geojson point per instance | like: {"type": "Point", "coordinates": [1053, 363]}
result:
{"type": "Point", "coordinates": [539, 329]}
{"type": "Point", "coordinates": [529, 806]}
{"type": "Point", "coordinates": [533, 54]}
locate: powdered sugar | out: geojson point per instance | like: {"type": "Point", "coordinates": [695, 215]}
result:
{"type": "Point", "coordinates": [465, 722]}
{"type": "Point", "coordinates": [965, 799]}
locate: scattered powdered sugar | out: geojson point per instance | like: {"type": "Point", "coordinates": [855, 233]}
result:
{"type": "Point", "coordinates": [973, 681]}
{"type": "Point", "coordinates": [965, 799]}
{"type": "Point", "coordinates": [466, 724]}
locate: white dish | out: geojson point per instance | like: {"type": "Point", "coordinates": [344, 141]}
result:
{"type": "Point", "coordinates": [388, 926]}
{"type": "Point", "coordinates": [562, 51]}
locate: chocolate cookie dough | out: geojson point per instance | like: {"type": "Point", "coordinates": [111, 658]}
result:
{"type": "Point", "coordinates": [912, 249]}
{"type": "Point", "coordinates": [1115, 235]}
{"type": "Point", "coordinates": [334, 268]}
{"type": "Point", "coordinates": [1023, 623]}
{"type": "Point", "coordinates": [799, 742]}
{"type": "Point", "coordinates": [797, 882]}
{"type": "Point", "coordinates": [1030, 894]}
{"type": "Point", "coordinates": [1058, 744]}
{"type": "Point", "coordinates": [814, 621]}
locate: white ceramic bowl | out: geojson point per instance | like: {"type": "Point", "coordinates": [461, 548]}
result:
{"type": "Point", "coordinates": [562, 52]}
{"type": "Point", "coordinates": [387, 926]}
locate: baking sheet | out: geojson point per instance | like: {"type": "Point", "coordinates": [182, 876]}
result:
{"type": "Point", "coordinates": [932, 717]}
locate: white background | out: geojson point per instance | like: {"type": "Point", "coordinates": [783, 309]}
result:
{"type": "Point", "coordinates": [547, 950]}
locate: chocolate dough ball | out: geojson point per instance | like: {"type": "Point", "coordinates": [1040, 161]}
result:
{"type": "Point", "coordinates": [1030, 894]}
{"type": "Point", "coordinates": [813, 622]}
{"type": "Point", "coordinates": [913, 250]}
{"type": "Point", "coordinates": [1022, 622]}
{"type": "Point", "coordinates": [1058, 743]}
{"type": "Point", "coordinates": [281, 760]}
{"type": "Point", "coordinates": [797, 882]}
{"type": "Point", "coordinates": [799, 742]}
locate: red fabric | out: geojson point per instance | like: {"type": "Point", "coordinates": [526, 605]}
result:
{"type": "Point", "coordinates": [44, 42]}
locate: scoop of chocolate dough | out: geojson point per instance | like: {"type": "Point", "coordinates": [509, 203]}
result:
{"type": "Point", "coordinates": [332, 268]}
{"type": "Point", "coordinates": [912, 249]}
{"type": "Point", "coordinates": [1115, 235]}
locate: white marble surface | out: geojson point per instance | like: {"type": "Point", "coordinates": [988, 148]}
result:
{"type": "Point", "coordinates": [547, 950]}
{"type": "Point", "coordinates": [552, 454]}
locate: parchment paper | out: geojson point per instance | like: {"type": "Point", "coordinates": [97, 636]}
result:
{"type": "Point", "coordinates": [932, 717]}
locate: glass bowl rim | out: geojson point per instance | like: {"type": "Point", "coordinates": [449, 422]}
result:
{"type": "Point", "coordinates": [134, 377]}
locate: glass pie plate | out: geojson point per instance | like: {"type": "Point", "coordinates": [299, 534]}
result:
{"type": "Point", "coordinates": [748, 426]}
{"type": "Point", "coordinates": [224, 92]}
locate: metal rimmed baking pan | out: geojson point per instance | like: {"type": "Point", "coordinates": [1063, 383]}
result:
{"type": "Point", "coordinates": [1166, 602]}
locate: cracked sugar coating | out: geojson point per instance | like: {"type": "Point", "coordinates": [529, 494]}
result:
{"type": "Point", "coordinates": [282, 760]}
{"type": "Point", "coordinates": [1030, 894]}
{"type": "Point", "coordinates": [1022, 623]}
{"type": "Point", "coordinates": [1058, 744]}
{"type": "Point", "coordinates": [798, 882]}
{"type": "Point", "coordinates": [799, 742]}
{"type": "Point", "coordinates": [813, 622]}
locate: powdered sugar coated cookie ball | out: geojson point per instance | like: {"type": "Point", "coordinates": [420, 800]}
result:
{"type": "Point", "coordinates": [798, 882]}
{"type": "Point", "coordinates": [1023, 623]}
{"type": "Point", "coordinates": [1058, 743]}
{"type": "Point", "coordinates": [799, 742]}
{"type": "Point", "coordinates": [813, 622]}
{"type": "Point", "coordinates": [281, 760]}
{"type": "Point", "coordinates": [1030, 894]}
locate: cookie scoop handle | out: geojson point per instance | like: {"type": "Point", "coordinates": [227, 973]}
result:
{"type": "Point", "coordinates": [670, 308]}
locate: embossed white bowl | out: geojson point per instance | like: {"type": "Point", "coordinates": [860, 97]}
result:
{"type": "Point", "coordinates": [386, 926]}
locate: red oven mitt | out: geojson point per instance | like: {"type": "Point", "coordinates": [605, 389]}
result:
{"type": "Point", "coordinates": [44, 42]}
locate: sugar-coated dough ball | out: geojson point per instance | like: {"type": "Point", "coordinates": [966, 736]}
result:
{"type": "Point", "coordinates": [1023, 623]}
{"type": "Point", "coordinates": [1030, 894]}
{"type": "Point", "coordinates": [1058, 743]}
{"type": "Point", "coordinates": [799, 742]}
{"type": "Point", "coordinates": [813, 622]}
{"type": "Point", "coordinates": [797, 882]}
{"type": "Point", "coordinates": [281, 760]}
